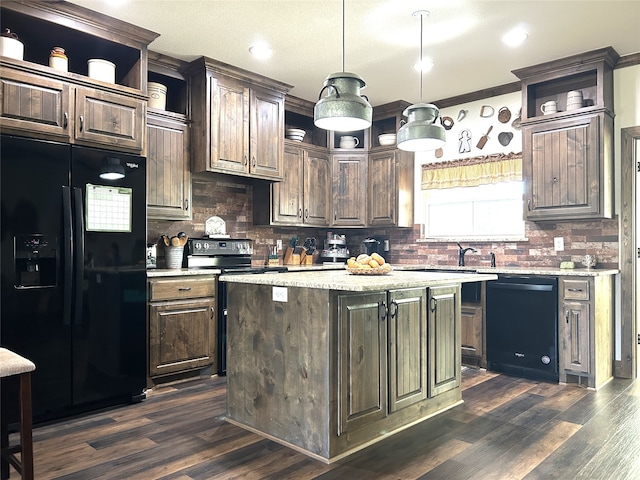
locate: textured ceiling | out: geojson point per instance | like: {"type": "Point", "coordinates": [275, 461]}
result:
{"type": "Point", "coordinates": [382, 38]}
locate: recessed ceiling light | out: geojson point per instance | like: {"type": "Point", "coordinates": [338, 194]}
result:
{"type": "Point", "coordinates": [261, 51]}
{"type": "Point", "coordinates": [515, 37]}
{"type": "Point", "coordinates": [426, 65]}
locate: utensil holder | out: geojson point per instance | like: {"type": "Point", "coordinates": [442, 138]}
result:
{"type": "Point", "coordinates": [173, 256]}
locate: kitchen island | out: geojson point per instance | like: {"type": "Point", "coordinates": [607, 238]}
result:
{"type": "Point", "coordinates": [327, 362]}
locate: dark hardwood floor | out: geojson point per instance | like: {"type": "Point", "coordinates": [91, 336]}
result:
{"type": "Point", "coordinates": [508, 428]}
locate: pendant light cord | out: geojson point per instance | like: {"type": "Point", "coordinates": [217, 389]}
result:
{"type": "Point", "coordinates": [421, 62]}
{"type": "Point", "coordinates": [343, 24]}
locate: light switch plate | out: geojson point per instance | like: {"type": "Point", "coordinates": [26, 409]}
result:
{"type": "Point", "coordinates": [558, 244]}
{"type": "Point", "coordinates": [280, 294]}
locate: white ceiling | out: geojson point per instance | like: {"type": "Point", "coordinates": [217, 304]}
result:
{"type": "Point", "coordinates": [382, 43]}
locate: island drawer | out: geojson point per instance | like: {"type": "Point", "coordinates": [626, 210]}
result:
{"type": "Point", "coordinates": [176, 288]}
{"type": "Point", "coordinates": [575, 289]}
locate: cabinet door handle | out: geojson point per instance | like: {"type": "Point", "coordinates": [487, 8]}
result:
{"type": "Point", "coordinates": [434, 304]}
{"type": "Point", "coordinates": [529, 204]}
{"type": "Point", "coordinates": [306, 213]}
{"type": "Point", "coordinates": [566, 316]}
{"type": "Point", "coordinates": [65, 121]}
{"type": "Point", "coordinates": [254, 162]}
{"type": "Point", "coordinates": [382, 311]}
{"type": "Point", "coordinates": [246, 160]}
{"type": "Point", "coordinates": [300, 212]}
{"type": "Point", "coordinates": [81, 123]}
{"type": "Point", "coordinates": [184, 289]}
{"type": "Point", "coordinates": [393, 309]}
{"type": "Point", "coordinates": [186, 204]}
{"type": "Point", "coordinates": [212, 312]}
{"type": "Point", "coordinates": [574, 289]}
{"type": "Point", "coordinates": [335, 215]}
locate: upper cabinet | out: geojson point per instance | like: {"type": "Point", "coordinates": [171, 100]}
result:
{"type": "Point", "coordinates": [238, 121]}
{"type": "Point", "coordinates": [168, 153]}
{"type": "Point", "coordinates": [69, 105]}
{"type": "Point", "coordinates": [567, 137]}
{"type": "Point", "coordinates": [390, 188]}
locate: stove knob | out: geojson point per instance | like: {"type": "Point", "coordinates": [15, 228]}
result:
{"type": "Point", "coordinates": [206, 245]}
{"type": "Point", "coordinates": [198, 245]}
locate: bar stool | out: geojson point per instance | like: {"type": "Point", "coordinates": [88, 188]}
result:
{"type": "Point", "coordinates": [13, 364]}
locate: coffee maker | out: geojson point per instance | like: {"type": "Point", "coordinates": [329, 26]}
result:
{"type": "Point", "coordinates": [372, 245]}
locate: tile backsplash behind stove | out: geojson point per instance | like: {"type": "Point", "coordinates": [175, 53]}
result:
{"type": "Point", "coordinates": [231, 199]}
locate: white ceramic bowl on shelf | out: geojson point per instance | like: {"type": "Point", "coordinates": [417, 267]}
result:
{"type": "Point", "coordinates": [387, 139]}
{"type": "Point", "coordinates": [296, 134]}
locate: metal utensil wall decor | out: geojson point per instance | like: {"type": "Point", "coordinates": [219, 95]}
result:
{"type": "Point", "coordinates": [464, 141]}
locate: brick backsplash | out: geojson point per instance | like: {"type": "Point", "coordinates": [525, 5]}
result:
{"type": "Point", "coordinates": [231, 199]}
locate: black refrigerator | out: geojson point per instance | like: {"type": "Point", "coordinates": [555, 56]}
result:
{"type": "Point", "coordinates": [73, 273]}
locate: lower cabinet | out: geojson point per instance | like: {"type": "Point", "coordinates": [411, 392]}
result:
{"type": "Point", "coordinates": [395, 349]}
{"type": "Point", "coordinates": [472, 334]}
{"type": "Point", "coordinates": [586, 330]}
{"type": "Point", "coordinates": [182, 324]}
{"type": "Point", "coordinates": [444, 339]}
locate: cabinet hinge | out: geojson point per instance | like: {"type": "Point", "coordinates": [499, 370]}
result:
{"type": "Point", "coordinates": [639, 339]}
{"type": "Point", "coordinates": [638, 167]}
{"type": "Point", "coordinates": [638, 252]}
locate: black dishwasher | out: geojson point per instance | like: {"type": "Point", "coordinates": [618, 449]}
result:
{"type": "Point", "coordinates": [522, 326]}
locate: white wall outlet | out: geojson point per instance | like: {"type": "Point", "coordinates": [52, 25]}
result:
{"type": "Point", "coordinates": [558, 244]}
{"type": "Point", "coordinates": [279, 244]}
{"type": "Point", "coordinates": [280, 294]}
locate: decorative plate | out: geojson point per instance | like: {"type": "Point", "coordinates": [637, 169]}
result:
{"type": "Point", "coordinates": [370, 271]}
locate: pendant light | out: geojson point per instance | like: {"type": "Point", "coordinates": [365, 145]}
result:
{"type": "Point", "coordinates": [344, 109]}
{"type": "Point", "coordinates": [420, 133]}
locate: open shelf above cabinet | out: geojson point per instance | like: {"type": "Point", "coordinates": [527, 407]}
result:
{"type": "Point", "coordinates": [299, 114]}
{"type": "Point", "coordinates": [387, 118]}
{"type": "Point", "coordinates": [83, 34]}
{"type": "Point", "coordinates": [589, 73]}
{"type": "Point", "coordinates": [168, 72]}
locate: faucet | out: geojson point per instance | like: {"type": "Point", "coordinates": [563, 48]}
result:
{"type": "Point", "coordinates": [461, 252]}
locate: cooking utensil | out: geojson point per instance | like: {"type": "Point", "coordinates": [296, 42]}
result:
{"type": "Point", "coordinates": [461, 115]}
{"type": "Point", "coordinates": [484, 138]}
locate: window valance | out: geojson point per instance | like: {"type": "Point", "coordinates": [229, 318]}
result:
{"type": "Point", "coordinates": [471, 172]}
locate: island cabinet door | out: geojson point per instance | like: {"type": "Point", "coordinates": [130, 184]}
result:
{"type": "Point", "coordinates": [407, 347]}
{"type": "Point", "coordinates": [362, 360]}
{"type": "Point", "coordinates": [444, 339]}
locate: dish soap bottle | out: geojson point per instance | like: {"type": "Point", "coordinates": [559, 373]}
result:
{"type": "Point", "coordinates": [58, 60]}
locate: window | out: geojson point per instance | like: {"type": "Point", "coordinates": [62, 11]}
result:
{"type": "Point", "coordinates": [484, 211]}
{"type": "Point", "coordinates": [475, 198]}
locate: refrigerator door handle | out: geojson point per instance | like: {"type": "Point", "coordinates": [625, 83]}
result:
{"type": "Point", "coordinates": [78, 260]}
{"type": "Point", "coordinates": [67, 237]}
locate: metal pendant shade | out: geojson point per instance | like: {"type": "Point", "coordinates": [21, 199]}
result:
{"type": "Point", "coordinates": [343, 109]}
{"type": "Point", "coordinates": [420, 133]}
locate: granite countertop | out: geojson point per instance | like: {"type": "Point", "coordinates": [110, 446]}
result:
{"type": "Point", "coordinates": [177, 272]}
{"type": "Point", "coordinates": [343, 280]}
{"type": "Point", "coordinates": [577, 272]}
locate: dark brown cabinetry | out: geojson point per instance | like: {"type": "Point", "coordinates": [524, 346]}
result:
{"type": "Point", "coordinates": [568, 155]}
{"type": "Point", "coordinates": [362, 374]}
{"type": "Point", "coordinates": [182, 324]}
{"type": "Point", "coordinates": [385, 345]}
{"type": "Point", "coordinates": [586, 330]}
{"type": "Point", "coordinates": [302, 198]}
{"type": "Point", "coordinates": [349, 190]}
{"type": "Point", "coordinates": [168, 153]}
{"type": "Point", "coordinates": [238, 121]}
{"type": "Point", "coordinates": [44, 107]}
{"type": "Point", "coordinates": [42, 102]}
{"type": "Point", "coordinates": [390, 188]}
{"type": "Point", "coordinates": [472, 334]}
{"type": "Point", "coordinates": [444, 339]}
